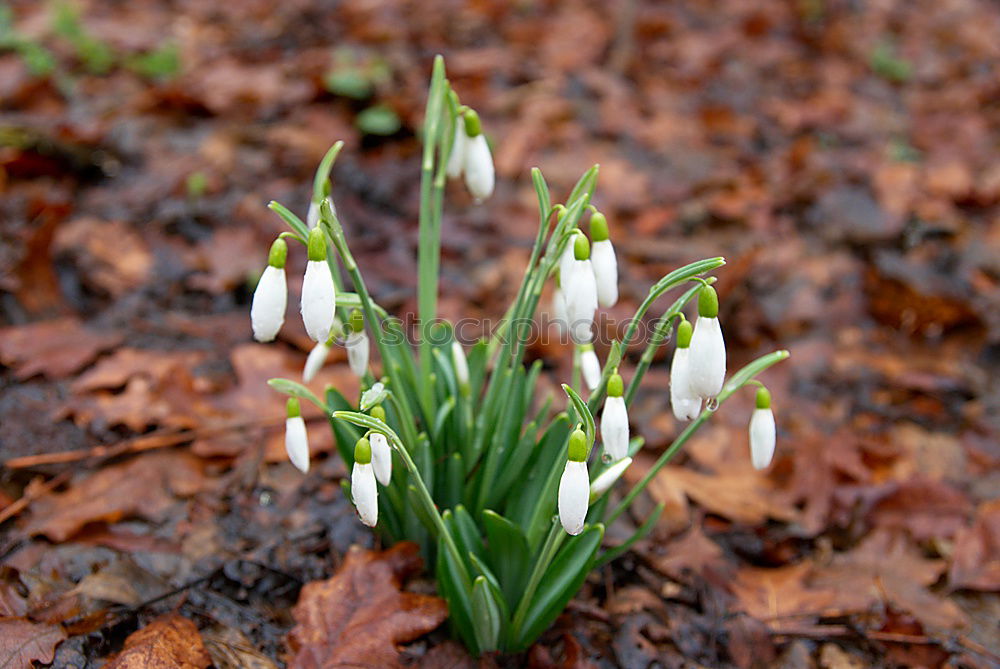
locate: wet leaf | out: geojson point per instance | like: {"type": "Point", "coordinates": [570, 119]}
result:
{"type": "Point", "coordinates": [54, 349]}
{"type": "Point", "coordinates": [169, 642]}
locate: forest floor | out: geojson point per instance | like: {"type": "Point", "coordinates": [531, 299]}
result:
{"type": "Point", "coordinates": [842, 156]}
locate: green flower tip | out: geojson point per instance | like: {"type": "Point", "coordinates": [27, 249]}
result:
{"type": "Point", "coordinates": [599, 227]}
{"type": "Point", "coordinates": [356, 321]}
{"type": "Point", "coordinates": [763, 398]}
{"type": "Point", "coordinates": [708, 303]}
{"type": "Point", "coordinates": [362, 451]}
{"type": "Point", "coordinates": [581, 247]}
{"type": "Point", "coordinates": [317, 245]}
{"type": "Point", "coordinates": [292, 408]}
{"type": "Point", "coordinates": [473, 126]}
{"type": "Point", "coordinates": [278, 254]}
{"type": "Point", "coordinates": [616, 387]}
{"type": "Point", "coordinates": [684, 331]}
{"type": "Point", "coordinates": [578, 446]}
{"type": "Point", "coordinates": [378, 413]}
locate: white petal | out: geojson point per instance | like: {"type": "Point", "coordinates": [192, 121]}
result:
{"type": "Point", "coordinates": [591, 368]}
{"type": "Point", "coordinates": [460, 364]}
{"type": "Point", "coordinates": [297, 443]}
{"type": "Point", "coordinates": [566, 261]}
{"type": "Point", "coordinates": [479, 176]}
{"type": "Point", "coordinates": [574, 496]}
{"type": "Point", "coordinates": [456, 161]}
{"type": "Point", "coordinates": [315, 361]}
{"type": "Point", "coordinates": [365, 493]}
{"type": "Point", "coordinates": [357, 352]}
{"type": "Point", "coordinates": [559, 311]}
{"type": "Point", "coordinates": [614, 428]}
{"type": "Point", "coordinates": [381, 457]}
{"type": "Point", "coordinates": [267, 311]}
{"type": "Point", "coordinates": [708, 358]}
{"type": "Point", "coordinates": [581, 300]}
{"type": "Point", "coordinates": [761, 438]}
{"type": "Point", "coordinates": [312, 218]}
{"type": "Point", "coordinates": [319, 299]}
{"type": "Point", "coordinates": [686, 406]}
{"type": "Point", "coordinates": [607, 478]}
{"type": "Point", "coordinates": [602, 255]}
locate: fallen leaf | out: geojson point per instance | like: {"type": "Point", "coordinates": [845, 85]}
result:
{"type": "Point", "coordinates": [145, 486]}
{"type": "Point", "coordinates": [358, 617]}
{"type": "Point", "coordinates": [975, 562]}
{"type": "Point", "coordinates": [54, 349]}
{"type": "Point", "coordinates": [740, 497]}
{"type": "Point", "coordinates": [113, 256]}
{"type": "Point", "coordinates": [22, 642]}
{"type": "Point", "coordinates": [230, 649]}
{"type": "Point", "coordinates": [169, 642]}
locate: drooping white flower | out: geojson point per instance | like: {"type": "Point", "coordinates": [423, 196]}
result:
{"type": "Point", "coordinates": [559, 311]}
{"type": "Point", "coordinates": [479, 174]}
{"type": "Point", "coordinates": [762, 431]}
{"type": "Point", "coordinates": [296, 439]}
{"type": "Point", "coordinates": [686, 405]}
{"type": "Point", "coordinates": [590, 366]}
{"type": "Point", "coordinates": [319, 297]}
{"type": "Point", "coordinates": [358, 347]}
{"type": "Point", "coordinates": [312, 218]}
{"type": "Point", "coordinates": [315, 361]}
{"type": "Point", "coordinates": [607, 478]}
{"type": "Point", "coordinates": [574, 486]}
{"type": "Point", "coordinates": [602, 255]}
{"type": "Point", "coordinates": [456, 160]}
{"type": "Point", "coordinates": [363, 488]}
{"type": "Point", "coordinates": [381, 458]}
{"type": "Point", "coordinates": [267, 311]}
{"type": "Point", "coordinates": [460, 365]}
{"type": "Point", "coordinates": [708, 348]}
{"type": "Point", "coordinates": [614, 420]}
{"type": "Point", "coordinates": [567, 259]}
{"type": "Point", "coordinates": [580, 289]}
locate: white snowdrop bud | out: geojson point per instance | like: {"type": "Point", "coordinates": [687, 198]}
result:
{"type": "Point", "coordinates": [559, 311]}
{"type": "Point", "coordinates": [762, 431]}
{"type": "Point", "coordinates": [363, 488]}
{"type": "Point", "coordinates": [685, 404]}
{"type": "Point", "coordinates": [460, 365]}
{"type": "Point", "coordinates": [574, 486]}
{"type": "Point", "coordinates": [607, 478]}
{"type": "Point", "coordinates": [296, 439]}
{"type": "Point", "coordinates": [319, 297]}
{"type": "Point", "coordinates": [456, 160]}
{"type": "Point", "coordinates": [580, 289]}
{"type": "Point", "coordinates": [590, 366]}
{"type": "Point", "coordinates": [614, 420]}
{"type": "Point", "coordinates": [267, 310]}
{"type": "Point", "coordinates": [358, 345]}
{"type": "Point", "coordinates": [602, 256]}
{"type": "Point", "coordinates": [315, 361]}
{"type": "Point", "coordinates": [381, 451]}
{"type": "Point", "coordinates": [708, 348]}
{"type": "Point", "coordinates": [478, 165]}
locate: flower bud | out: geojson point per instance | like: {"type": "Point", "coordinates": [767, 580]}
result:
{"type": "Point", "coordinates": [270, 298]}
{"type": "Point", "coordinates": [480, 176]}
{"type": "Point", "coordinates": [315, 361]}
{"type": "Point", "coordinates": [708, 348]}
{"type": "Point", "coordinates": [590, 366]}
{"type": "Point", "coordinates": [381, 456]}
{"type": "Point", "coordinates": [580, 291]}
{"type": "Point", "coordinates": [319, 297]}
{"type": "Point", "coordinates": [604, 260]}
{"type": "Point", "coordinates": [607, 478]}
{"type": "Point", "coordinates": [574, 486]}
{"type": "Point", "coordinates": [460, 365]}
{"type": "Point", "coordinates": [363, 487]}
{"type": "Point", "coordinates": [358, 344]}
{"type": "Point", "coordinates": [762, 431]}
{"type": "Point", "coordinates": [296, 439]}
{"type": "Point", "coordinates": [614, 420]}
{"type": "Point", "coordinates": [685, 404]}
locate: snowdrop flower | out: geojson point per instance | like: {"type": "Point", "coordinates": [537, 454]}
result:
{"type": "Point", "coordinates": [708, 349]}
{"type": "Point", "coordinates": [456, 160]}
{"type": "Point", "coordinates": [296, 439]}
{"type": "Point", "coordinates": [685, 404]}
{"type": "Point", "coordinates": [319, 297]}
{"type": "Point", "coordinates": [581, 292]}
{"type": "Point", "coordinates": [614, 420]}
{"type": "Point", "coordinates": [478, 163]}
{"type": "Point", "coordinates": [590, 366]}
{"type": "Point", "coordinates": [559, 310]}
{"type": "Point", "coordinates": [602, 255]}
{"type": "Point", "coordinates": [762, 431]}
{"type": "Point", "coordinates": [461, 366]}
{"type": "Point", "coordinates": [357, 345]}
{"type": "Point", "coordinates": [574, 486]}
{"type": "Point", "coordinates": [267, 311]}
{"type": "Point", "coordinates": [315, 361]}
{"type": "Point", "coordinates": [381, 453]}
{"type": "Point", "coordinates": [363, 488]}
{"type": "Point", "coordinates": [567, 259]}
{"type": "Point", "coordinates": [607, 478]}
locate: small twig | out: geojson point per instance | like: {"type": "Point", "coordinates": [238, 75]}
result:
{"type": "Point", "coordinates": [31, 494]}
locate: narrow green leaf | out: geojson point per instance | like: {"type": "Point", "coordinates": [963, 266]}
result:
{"type": "Point", "coordinates": [345, 434]}
{"type": "Point", "coordinates": [323, 171]}
{"type": "Point", "coordinates": [508, 554]}
{"type": "Point", "coordinates": [583, 414]}
{"type": "Point", "coordinates": [486, 617]}
{"type": "Point", "coordinates": [294, 389]}
{"type": "Point", "coordinates": [293, 221]}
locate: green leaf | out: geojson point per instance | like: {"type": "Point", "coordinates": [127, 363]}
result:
{"type": "Point", "coordinates": [294, 389]}
{"type": "Point", "coordinates": [452, 588]}
{"type": "Point", "coordinates": [486, 617]}
{"type": "Point", "coordinates": [583, 413]}
{"type": "Point", "coordinates": [466, 533]}
{"type": "Point", "coordinates": [293, 221]}
{"type": "Point", "coordinates": [323, 171]}
{"type": "Point", "coordinates": [345, 434]}
{"type": "Point", "coordinates": [508, 554]}
{"type": "Point", "coordinates": [380, 120]}
{"type": "Point", "coordinates": [559, 584]}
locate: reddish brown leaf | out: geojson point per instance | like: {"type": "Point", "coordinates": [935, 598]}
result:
{"type": "Point", "coordinates": [22, 642]}
{"type": "Point", "coordinates": [144, 486]}
{"type": "Point", "coordinates": [975, 563]}
{"type": "Point", "coordinates": [358, 617]}
{"type": "Point", "coordinates": [54, 349]}
{"type": "Point", "coordinates": [169, 642]}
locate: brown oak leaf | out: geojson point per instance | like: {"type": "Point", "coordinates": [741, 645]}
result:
{"type": "Point", "coordinates": [170, 641]}
{"type": "Point", "coordinates": [23, 641]}
{"type": "Point", "coordinates": [358, 617]}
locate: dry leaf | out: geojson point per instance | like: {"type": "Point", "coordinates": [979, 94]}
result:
{"type": "Point", "coordinates": [54, 349]}
{"type": "Point", "coordinates": [169, 642]}
{"type": "Point", "coordinates": [975, 561]}
{"type": "Point", "coordinates": [22, 642]}
{"type": "Point", "coordinates": [358, 617]}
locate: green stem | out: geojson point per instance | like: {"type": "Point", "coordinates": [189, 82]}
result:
{"type": "Point", "coordinates": [552, 543]}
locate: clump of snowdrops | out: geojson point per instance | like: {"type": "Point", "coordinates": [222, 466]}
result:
{"type": "Point", "coordinates": [452, 447]}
